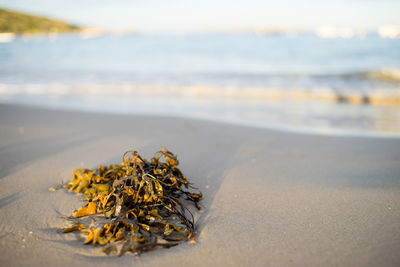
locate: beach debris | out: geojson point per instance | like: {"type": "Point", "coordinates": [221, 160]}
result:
{"type": "Point", "coordinates": [135, 206]}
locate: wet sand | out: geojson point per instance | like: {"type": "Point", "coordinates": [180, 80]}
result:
{"type": "Point", "coordinates": [270, 197]}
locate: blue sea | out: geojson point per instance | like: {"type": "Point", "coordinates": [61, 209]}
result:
{"type": "Point", "coordinates": [301, 83]}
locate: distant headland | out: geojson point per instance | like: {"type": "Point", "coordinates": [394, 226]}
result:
{"type": "Point", "coordinates": [20, 23]}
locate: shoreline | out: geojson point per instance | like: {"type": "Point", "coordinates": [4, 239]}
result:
{"type": "Point", "coordinates": [333, 131]}
{"type": "Point", "coordinates": [270, 197]}
{"type": "Point", "coordinates": [269, 126]}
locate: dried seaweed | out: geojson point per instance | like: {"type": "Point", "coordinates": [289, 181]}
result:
{"type": "Point", "coordinates": [141, 204]}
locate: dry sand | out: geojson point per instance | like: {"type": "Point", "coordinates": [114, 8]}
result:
{"type": "Point", "coordinates": [270, 198]}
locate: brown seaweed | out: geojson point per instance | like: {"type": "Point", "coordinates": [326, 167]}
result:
{"type": "Point", "coordinates": [141, 203]}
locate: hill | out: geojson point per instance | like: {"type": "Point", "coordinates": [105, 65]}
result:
{"type": "Point", "coordinates": [16, 22]}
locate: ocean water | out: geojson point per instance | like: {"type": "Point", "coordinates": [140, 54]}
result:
{"type": "Point", "coordinates": [300, 83]}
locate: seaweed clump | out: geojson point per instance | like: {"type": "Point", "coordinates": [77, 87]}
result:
{"type": "Point", "coordinates": [135, 206]}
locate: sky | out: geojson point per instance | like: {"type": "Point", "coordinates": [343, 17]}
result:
{"type": "Point", "coordinates": [211, 15]}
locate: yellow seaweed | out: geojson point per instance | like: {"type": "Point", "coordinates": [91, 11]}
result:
{"type": "Point", "coordinates": [77, 227]}
{"type": "Point", "coordinates": [90, 209]}
{"type": "Point", "coordinates": [140, 201]}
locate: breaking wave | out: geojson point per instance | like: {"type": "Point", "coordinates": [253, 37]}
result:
{"type": "Point", "coordinates": [378, 96]}
{"type": "Point", "coordinates": [384, 74]}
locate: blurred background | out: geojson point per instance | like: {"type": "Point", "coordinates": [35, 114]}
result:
{"type": "Point", "coordinates": [321, 66]}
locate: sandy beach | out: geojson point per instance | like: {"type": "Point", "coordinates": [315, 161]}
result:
{"type": "Point", "coordinates": [271, 198]}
